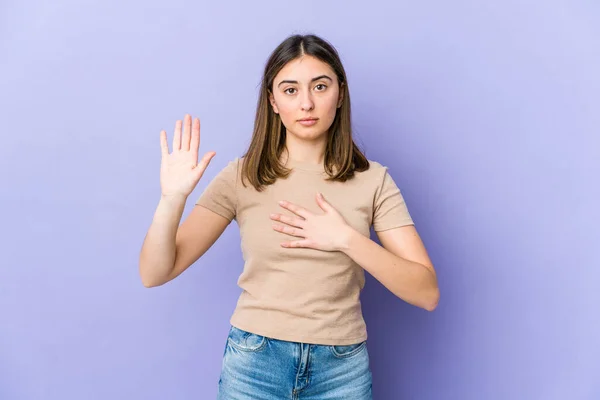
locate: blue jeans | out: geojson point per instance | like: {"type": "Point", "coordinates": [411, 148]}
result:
{"type": "Point", "coordinates": [262, 368]}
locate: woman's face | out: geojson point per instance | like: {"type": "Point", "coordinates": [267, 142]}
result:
{"type": "Point", "coordinates": [306, 88]}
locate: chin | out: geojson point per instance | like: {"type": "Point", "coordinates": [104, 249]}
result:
{"type": "Point", "coordinates": [308, 134]}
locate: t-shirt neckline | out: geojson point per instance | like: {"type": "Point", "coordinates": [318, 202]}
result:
{"type": "Point", "coordinates": [304, 166]}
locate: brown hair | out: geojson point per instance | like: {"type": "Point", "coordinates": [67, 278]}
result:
{"type": "Point", "coordinates": [262, 164]}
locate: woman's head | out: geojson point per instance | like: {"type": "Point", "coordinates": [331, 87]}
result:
{"type": "Point", "coordinates": [306, 87]}
{"type": "Point", "coordinates": [303, 78]}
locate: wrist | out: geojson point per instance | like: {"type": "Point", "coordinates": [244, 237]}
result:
{"type": "Point", "coordinates": [346, 238]}
{"type": "Point", "coordinates": [173, 197]}
{"type": "Point", "coordinates": [175, 200]}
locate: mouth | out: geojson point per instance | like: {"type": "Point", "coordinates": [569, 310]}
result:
{"type": "Point", "coordinates": [308, 121]}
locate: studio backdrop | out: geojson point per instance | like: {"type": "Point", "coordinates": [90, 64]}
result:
{"type": "Point", "coordinates": [486, 113]}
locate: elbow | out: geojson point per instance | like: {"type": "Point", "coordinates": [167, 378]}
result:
{"type": "Point", "coordinates": [432, 300]}
{"type": "Point", "coordinates": [147, 279]}
{"type": "Point", "coordinates": [431, 306]}
{"type": "Point", "coordinates": [148, 284]}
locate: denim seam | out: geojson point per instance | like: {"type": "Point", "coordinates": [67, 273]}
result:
{"type": "Point", "coordinates": [346, 355]}
{"type": "Point", "coordinates": [263, 343]}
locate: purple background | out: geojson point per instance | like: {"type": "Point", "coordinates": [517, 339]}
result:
{"type": "Point", "coordinates": [487, 115]}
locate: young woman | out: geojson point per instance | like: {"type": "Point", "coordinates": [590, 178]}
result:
{"type": "Point", "coordinates": [304, 197]}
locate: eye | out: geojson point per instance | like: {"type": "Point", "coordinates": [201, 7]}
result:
{"type": "Point", "coordinates": [322, 85]}
{"type": "Point", "coordinates": [286, 90]}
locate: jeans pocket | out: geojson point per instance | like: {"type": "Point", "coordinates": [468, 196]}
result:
{"type": "Point", "coordinates": [347, 350]}
{"type": "Point", "coordinates": [246, 341]}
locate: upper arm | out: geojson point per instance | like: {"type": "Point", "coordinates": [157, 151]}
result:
{"type": "Point", "coordinates": [394, 225]}
{"type": "Point", "coordinates": [197, 233]}
{"type": "Point", "coordinates": [389, 208]}
{"type": "Point", "coordinates": [405, 242]}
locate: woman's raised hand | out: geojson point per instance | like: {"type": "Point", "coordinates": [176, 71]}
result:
{"type": "Point", "coordinates": [180, 170]}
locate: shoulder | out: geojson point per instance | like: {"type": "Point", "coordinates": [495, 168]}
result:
{"type": "Point", "coordinates": [225, 174]}
{"type": "Point", "coordinates": [378, 178]}
{"type": "Point", "coordinates": [231, 167]}
{"type": "Point", "coordinates": [375, 172]}
{"type": "Point", "coordinates": [375, 165]}
{"type": "Point", "coordinates": [235, 164]}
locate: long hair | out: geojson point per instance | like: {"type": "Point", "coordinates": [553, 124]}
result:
{"type": "Point", "coordinates": [262, 165]}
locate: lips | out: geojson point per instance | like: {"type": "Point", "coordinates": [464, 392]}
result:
{"type": "Point", "coordinates": [308, 119]}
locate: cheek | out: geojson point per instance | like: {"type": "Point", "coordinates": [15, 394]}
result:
{"type": "Point", "coordinates": [286, 112]}
{"type": "Point", "coordinates": [330, 108]}
{"type": "Point", "coordinates": [330, 101]}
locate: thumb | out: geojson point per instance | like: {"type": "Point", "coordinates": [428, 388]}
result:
{"type": "Point", "coordinates": [322, 202]}
{"type": "Point", "coordinates": [201, 167]}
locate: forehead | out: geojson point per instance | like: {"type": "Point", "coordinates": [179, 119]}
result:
{"type": "Point", "coordinates": [304, 69]}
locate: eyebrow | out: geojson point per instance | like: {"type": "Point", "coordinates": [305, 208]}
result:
{"type": "Point", "coordinates": [312, 80]}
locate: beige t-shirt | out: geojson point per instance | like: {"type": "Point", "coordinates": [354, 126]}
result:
{"type": "Point", "coordinates": [301, 294]}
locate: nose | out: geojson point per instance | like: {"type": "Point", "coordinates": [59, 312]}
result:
{"type": "Point", "coordinates": [307, 103]}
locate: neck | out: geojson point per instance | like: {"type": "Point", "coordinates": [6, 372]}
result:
{"type": "Point", "coordinates": [310, 152]}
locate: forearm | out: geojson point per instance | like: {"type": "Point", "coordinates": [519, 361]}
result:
{"type": "Point", "coordinates": [410, 281]}
{"type": "Point", "coordinates": [158, 253]}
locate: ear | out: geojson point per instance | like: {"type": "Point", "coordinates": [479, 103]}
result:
{"type": "Point", "coordinates": [273, 104]}
{"type": "Point", "coordinates": [341, 96]}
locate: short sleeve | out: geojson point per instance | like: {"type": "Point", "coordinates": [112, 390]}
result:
{"type": "Point", "coordinates": [220, 195]}
{"type": "Point", "coordinates": [390, 210]}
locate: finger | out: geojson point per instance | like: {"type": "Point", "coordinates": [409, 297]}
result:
{"type": "Point", "coordinates": [164, 146]}
{"type": "Point", "coordinates": [325, 206]}
{"type": "Point", "coordinates": [203, 164]}
{"type": "Point", "coordinates": [297, 222]}
{"type": "Point", "coordinates": [177, 136]}
{"type": "Point", "coordinates": [297, 243]}
{"type": "Point", "coordinates": [187, 131]}
{"type": "Point", "coordinates": [288, 230]}
{"type": "Point", "coordinates": [195, 140]}
{"type": "Point", "coordinates": [295, 209]}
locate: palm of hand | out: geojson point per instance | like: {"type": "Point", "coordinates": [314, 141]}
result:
{"type": "Point", "coordinates": [180, 170]}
